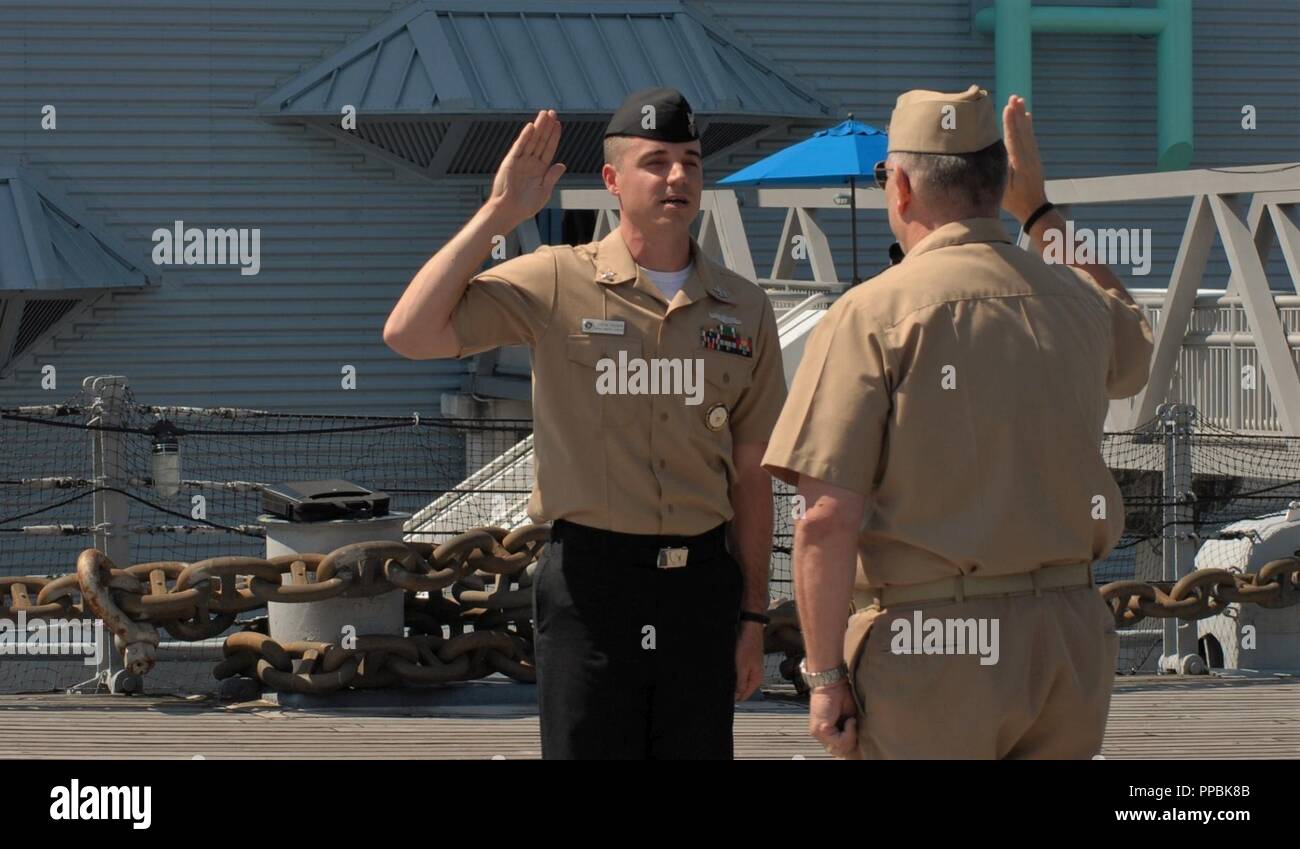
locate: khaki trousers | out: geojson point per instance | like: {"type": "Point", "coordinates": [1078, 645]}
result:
{"type": "Point", "coordinates": [1046, 696]}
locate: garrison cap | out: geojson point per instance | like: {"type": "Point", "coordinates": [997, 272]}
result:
{"type": "Point", "coordinates": [934, 122]}
{"type": "Point", "coordinates": [654, 113]}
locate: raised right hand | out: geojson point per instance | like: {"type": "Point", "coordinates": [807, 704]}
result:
{"type": "Point", "coordinates": [524, 181]}
{"type": "Point", "coordinates": [1025, 188]}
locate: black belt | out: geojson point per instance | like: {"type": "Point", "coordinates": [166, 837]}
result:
{"type": "Point", "coordinates": [647, 550]}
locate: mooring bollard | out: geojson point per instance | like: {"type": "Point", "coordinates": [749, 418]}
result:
{"type": "Point", "coordinates": [358, 610]}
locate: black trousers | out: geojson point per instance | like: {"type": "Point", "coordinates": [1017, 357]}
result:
{"type": "Point", "coordinates": [633, 661]}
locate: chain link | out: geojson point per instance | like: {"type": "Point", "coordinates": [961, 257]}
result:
{"type": "Point", "coordinates": [488, 570]}
{"type": "Point", "coordinates": [1205, 592]}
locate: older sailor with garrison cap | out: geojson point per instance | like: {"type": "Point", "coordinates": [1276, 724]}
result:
{"type": "Point", "coordinates": [944, 430]}
{"type": "Point", "coordinates": [657, 378]}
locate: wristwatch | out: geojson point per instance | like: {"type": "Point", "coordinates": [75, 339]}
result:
{"type": "Point", "coordinates": [822, 679]}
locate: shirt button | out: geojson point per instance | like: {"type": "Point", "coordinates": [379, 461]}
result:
{"type": "Point", "coordinates": [663, 417]}
{"type": "Point", "coordinates": [662, 464]}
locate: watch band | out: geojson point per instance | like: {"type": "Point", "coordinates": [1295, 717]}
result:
{"type": "Point", "coordinates": [750, 616]}
{"type": "Point", "coordinates": [822, 679]}
{"type": "Point", "coordinates": [1047, 207]}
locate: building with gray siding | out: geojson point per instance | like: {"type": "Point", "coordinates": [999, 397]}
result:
{"type": "Point", "coordinates": [161, 116]}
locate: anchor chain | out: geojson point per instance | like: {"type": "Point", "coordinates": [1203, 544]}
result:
{"type": "Point", "coordinates": [488, 613]}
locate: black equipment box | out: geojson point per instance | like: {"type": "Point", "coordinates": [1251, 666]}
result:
{"type": "Point", "coordinates": [318, 501]}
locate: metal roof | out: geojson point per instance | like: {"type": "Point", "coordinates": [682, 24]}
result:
{"type": "Point", "coordinates": [48, 244]}
{"type": "Point", "coordinates": [441, 84]}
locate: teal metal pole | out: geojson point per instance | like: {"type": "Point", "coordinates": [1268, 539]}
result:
{"type": "Point", "coordinates": [1013, 48]}
{"type": "Point", "coordinates": [1174, 87]}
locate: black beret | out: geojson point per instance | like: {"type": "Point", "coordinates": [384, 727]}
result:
{"type": "Point", "coordinates": [654, 113]}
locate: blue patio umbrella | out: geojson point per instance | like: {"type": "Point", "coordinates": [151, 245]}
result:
{"type": "Point", "coordinates": [845, 153]}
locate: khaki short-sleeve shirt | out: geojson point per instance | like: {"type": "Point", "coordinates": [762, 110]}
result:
{"type": "Point", "coordinates": [637, 401]}
{"type": "Point", "coordinates": [963, 392]}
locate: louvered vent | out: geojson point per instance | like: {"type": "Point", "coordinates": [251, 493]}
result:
{"type": "Point", "coordinates": [482, 147]}
{"type": "Point", "coordinates": [486, 143]}
{"type": "Point", "coordinates": [414, 141]}
{"type": "Point", "coordinates": [39, 315]}
{"type": "Point", "coordinates": [719, 135]}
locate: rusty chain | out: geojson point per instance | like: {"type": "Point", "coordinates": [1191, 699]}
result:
{"type": "Point", "coordinates": [488, 571]}
{"type": "Point", "coordinates": [376, 660]}
{"type": "Point", "coordinates": [1203, 593]}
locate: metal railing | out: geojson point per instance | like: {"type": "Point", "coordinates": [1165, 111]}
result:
{"type": "Point", "coordinates": [1218, 368]}
{"type": "Point", "coordinates": [1234, 351]}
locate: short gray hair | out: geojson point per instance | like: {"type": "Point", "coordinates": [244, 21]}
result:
{"type": "Point", "coordinates": [967, 184]}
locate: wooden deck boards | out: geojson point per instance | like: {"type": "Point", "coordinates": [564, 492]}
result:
{"type": "Point", "coordinates": [1201, 718]}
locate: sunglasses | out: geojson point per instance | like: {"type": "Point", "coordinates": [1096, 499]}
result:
{"type": "Point", "coordinates": [882, 173]}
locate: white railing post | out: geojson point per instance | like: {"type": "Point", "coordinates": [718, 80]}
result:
{"type": "Point", "coordinates": [111, 512]}
{"type": "Point", "coordinates": [1178, 544]}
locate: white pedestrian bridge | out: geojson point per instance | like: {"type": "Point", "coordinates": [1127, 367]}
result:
{"type": "Point", "coordinates": [1230, 351]}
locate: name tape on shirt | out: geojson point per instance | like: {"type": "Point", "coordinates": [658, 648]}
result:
{"type": "Point", "coordinates": [601, 326]}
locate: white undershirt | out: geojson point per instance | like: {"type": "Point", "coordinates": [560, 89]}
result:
{"type": "Point", "coordinates": [668, 282]}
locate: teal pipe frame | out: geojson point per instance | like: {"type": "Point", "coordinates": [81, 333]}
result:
{"type": "Point", "coordinates": [1013, 23]}
{"type": "Point", "coordinates": [1013, 51]}
{"type": "Point", "coordinates": [1174, 86]}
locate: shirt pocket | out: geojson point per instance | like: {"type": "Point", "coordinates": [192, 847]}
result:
{"type": "Point", "coordinates": [725, 377]}
{"type": "Point", "coordinates": [594, 378]}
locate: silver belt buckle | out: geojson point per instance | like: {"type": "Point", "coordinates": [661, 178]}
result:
{"type": "Point", "coordinates": [672, 558]}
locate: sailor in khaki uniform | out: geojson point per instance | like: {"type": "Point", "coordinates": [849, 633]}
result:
{"type": "Point", "coordinates": [657, 378]}
{"type": "Point", "coordinates": [944, 429]}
